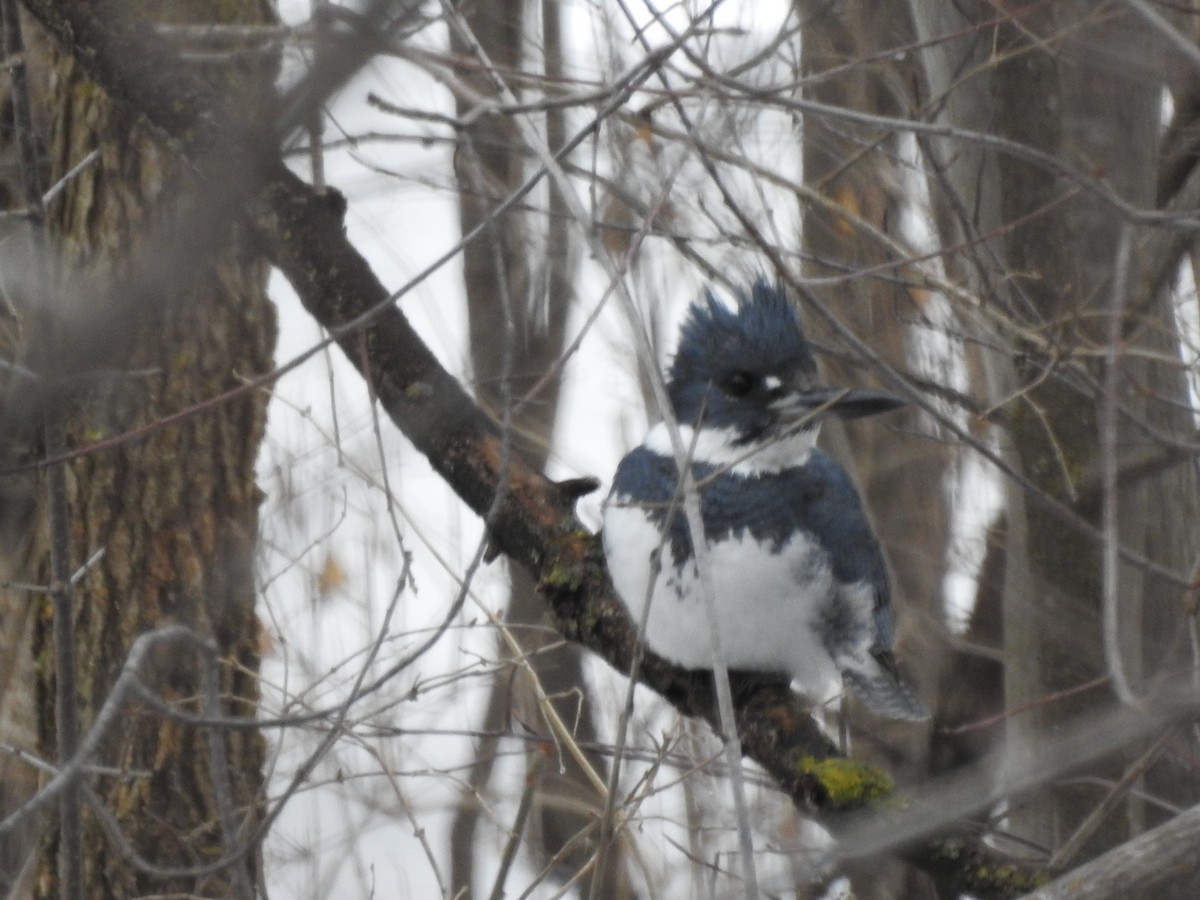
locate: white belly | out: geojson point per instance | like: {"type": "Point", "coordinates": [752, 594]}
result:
{"type": "Point", "coordinates": [768, 604]}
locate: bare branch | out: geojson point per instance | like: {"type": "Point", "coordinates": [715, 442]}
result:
{"type": "Point", "coordinates": [1134, 868]}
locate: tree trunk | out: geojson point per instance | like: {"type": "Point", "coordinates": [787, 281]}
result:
{"type": "Point", "coordinates": [174, 511]}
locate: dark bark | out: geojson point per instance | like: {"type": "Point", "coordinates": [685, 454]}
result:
{"type": "Point", "coordinates": [175, 513]}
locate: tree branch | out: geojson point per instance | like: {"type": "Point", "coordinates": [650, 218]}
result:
{"type": "Point", "coordinates": [1135, 867]}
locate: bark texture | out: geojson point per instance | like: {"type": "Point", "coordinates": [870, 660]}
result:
{"type": "Point", "coordinates": [175, 511]}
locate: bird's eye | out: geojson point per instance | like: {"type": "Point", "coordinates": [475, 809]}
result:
{"type": "Point", "coordinates": [739, 384]}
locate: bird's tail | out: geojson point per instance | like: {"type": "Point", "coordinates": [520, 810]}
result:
{"type": "Point", "coordinates": [877, 682]}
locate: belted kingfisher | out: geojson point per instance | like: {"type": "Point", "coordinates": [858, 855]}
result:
{"type": "Point", "coordinates": [799, 580]}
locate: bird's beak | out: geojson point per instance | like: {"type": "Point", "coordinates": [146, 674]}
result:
{"type": "Point", "coordinates": [845, 403]}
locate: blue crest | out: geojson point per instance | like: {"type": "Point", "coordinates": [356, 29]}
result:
{"type": "Point", "coordinates": [761, 336]}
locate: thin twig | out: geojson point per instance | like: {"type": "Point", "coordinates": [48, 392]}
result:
{"type": "Point", "coordinates": [218, 771]}
{"type": "Point", "coordinates": [106, 719]}
{"type": "Point", "coordinates": [1111, 543]}
{"type": "Point", "coordinates": [533, 776]}
{"type": "Point", "coordinates": [91, 561]}
{"type": "Point", "coordinates": [315, 126]}
{"type": "Point", "coordinates": [1179, 43]}
{"type": "Point", "coordinates": [1070, 849]}
{"type": "Point", "coordinates": [74, 172]}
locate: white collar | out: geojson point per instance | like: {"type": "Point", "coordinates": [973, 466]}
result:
{"type": "Point", "coordinates": [716, 447]}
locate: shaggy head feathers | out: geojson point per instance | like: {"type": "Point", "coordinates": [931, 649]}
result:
{"type": "Point", "coordinates": [761, 337]}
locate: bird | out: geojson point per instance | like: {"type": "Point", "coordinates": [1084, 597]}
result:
{"type": "Point", "coordinates": [799, 579]}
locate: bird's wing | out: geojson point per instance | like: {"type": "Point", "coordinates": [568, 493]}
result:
{"type": "Point", "coordinates": [860, 625]}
